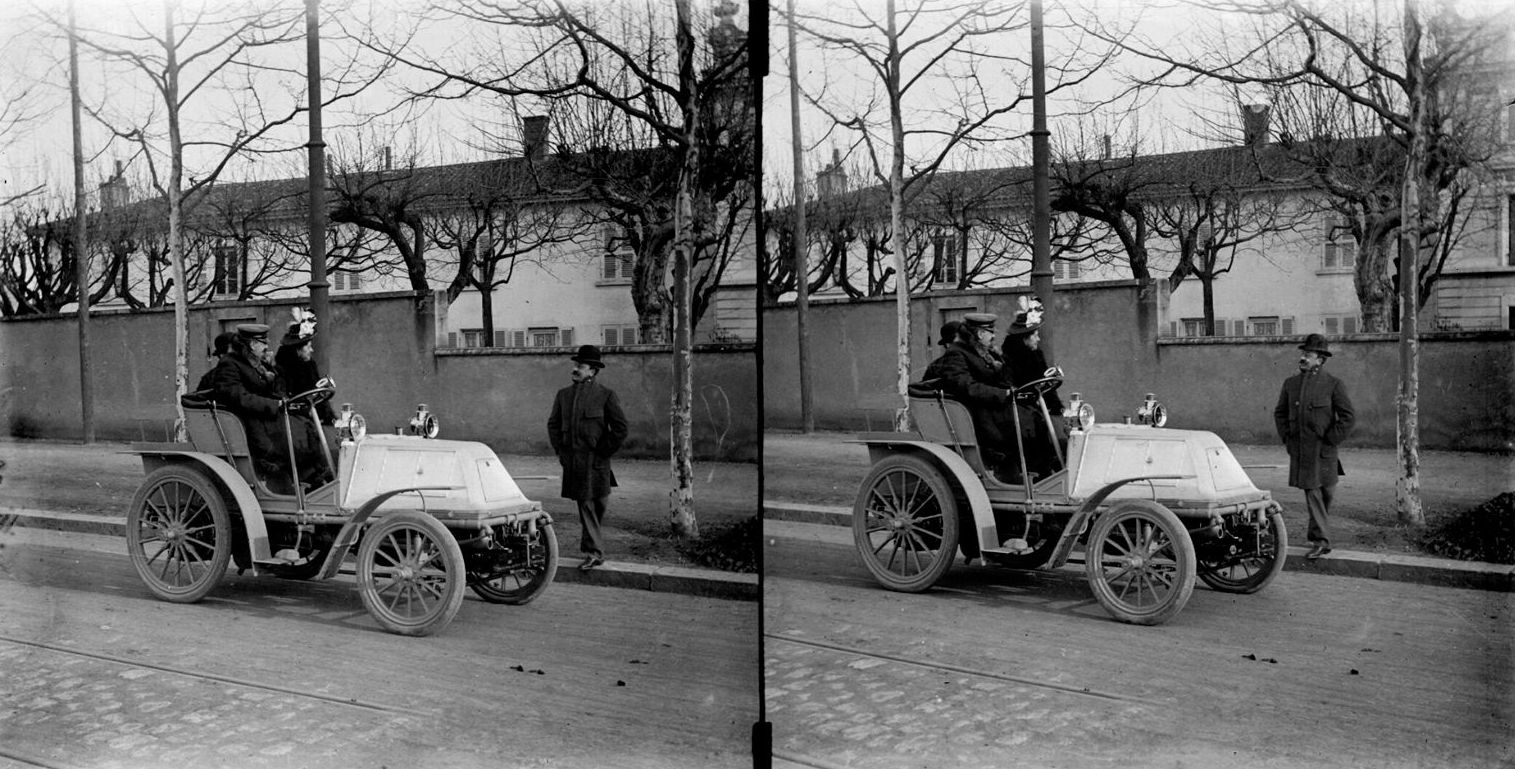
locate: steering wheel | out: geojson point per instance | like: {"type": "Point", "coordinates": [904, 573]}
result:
{"type": "Point", "coordinates": [1033, 390]}
{"type": "Point", "coordinates": [317, 395]}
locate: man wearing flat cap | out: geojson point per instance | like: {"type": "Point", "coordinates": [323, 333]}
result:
{"type": "Point", "coordinates": [972, 372]}
{"type": "Point", "coordinates": [246, 383]}
{"type": "Point", "coordinates": [586, 428]}
{"type": "Point", "coordinates": [1313, 417]}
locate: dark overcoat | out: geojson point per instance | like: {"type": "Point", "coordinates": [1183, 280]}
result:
{"type": "Point", "coordinates": [968, 375]}
{"type": "Point", "coordinates": [586, 428]}
{"type": "Point", "coordinates": [1313, 416]}
{"type": "Point", "coordinates": [253, 393]}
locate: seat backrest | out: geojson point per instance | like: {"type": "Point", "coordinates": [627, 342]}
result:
{"type": "Point", "coordinates": [214, 430]}
{"type": "Point", "coordinates": [940, 419]}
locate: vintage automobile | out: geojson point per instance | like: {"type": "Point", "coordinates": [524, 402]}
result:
{"type": "Point", "coordinates": [427, 517]}
{"type": "Point", "coordinates": [1150, 507]}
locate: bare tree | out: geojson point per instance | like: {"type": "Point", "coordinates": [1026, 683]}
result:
{"type": "Point", "coordinates": [650, 72]}
{"type": "Point", "coordinates": [499, 221]}
{"type": "Point", "coordinates": [1419, 84]}
{"type": "Point", "coordinates": [910, 48]}
{"type": "Point", "coordinates": [367, 191]}
{"type": "Point", "coordinates": [237, 53]}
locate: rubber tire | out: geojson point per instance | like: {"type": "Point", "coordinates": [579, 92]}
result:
{"type": "Point", "coordinates": [1174, 538]}
{"type": "Point", "coordinates": [906, 470]}
{"type": "Point", "coordinates": [1261, 578]}
{"type": "Point", "coordinates": [444, 573]}
{"type": "Point", "coordinates": [185, 495]}
{"type": "Point", "coordinates": [528, 591]}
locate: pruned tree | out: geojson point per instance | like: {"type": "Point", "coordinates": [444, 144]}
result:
{"type": "Point", "coordinates": [1420, 81]}
{"type": "Point", "coordinates": [496, 222]}
{"type": "Point", "coordinates": [366, 190]}
{"type": "Point", "coordinates": [659, 77]}
{"type": "Point", "coordinates": [930, 61]}
{"type": "Point", "coordinates": [232, 61]}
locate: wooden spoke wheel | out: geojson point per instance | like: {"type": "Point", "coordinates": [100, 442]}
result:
{"type": "Point", "coordinates": [904, 523]}
{"type": "Point", "coordinates": [1140, 562]}
{"type": "Point", "coordinates": [178, 534]}
{"type": "Point", "coordinates": [523, 585]}
{"type": "Point", "coordinates": [410, 573]}
{"type": "Point", "coordinates": [1250, 572]}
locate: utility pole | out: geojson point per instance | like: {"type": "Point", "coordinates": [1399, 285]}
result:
{"type": "Point", "coordinates": [81, 233]}
{"type": "Point", "coordinates": [319, 294]}
{"type": "Point", "coordinates": [801, 262]}
{"type": "Point", "coordinates": [1041, 214]}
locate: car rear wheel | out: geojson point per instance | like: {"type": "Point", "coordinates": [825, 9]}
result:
{"type": "Point", "coordinates": [178, 533]}
{"type": "Point", "coordinates": [521, 586]}
{"type": "Point", "coordinates": [1251, 572]}
{"type": "Point", "coordinates": [1140, 562]}
{"type": "Point", "coordinates": [410, 573]}
{"type": "Point", "coordinates": [904, 523]}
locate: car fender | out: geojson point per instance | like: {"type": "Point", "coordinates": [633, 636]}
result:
{"type": "Point", "coordinates": [349, 533]}
{"type": "Point", "coordinates": [960, 473]}
{"type": "Point", "coordinates": [247, 502]}
{"type": "Point", "coordinates": [1089, 510]}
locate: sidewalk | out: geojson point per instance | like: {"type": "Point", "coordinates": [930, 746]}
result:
{"type": "Point", "coordinates": [71, 487]}
{"type": "Point", "coordinates": [813, 479]}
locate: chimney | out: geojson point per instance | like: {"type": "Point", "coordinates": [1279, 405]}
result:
{"type": "Point", "coordinates": [831, 180]}
{"type": "Point", "coordinates": [534, 136]}
{"type": "Point", "coordinates": [113, 191]}
{"type": "Point", "coordinates": [388, 159]}
{"type": "Point", "coordinates": [1254, 124]}
{"type": "Point", "coordinates": [1107, 147]}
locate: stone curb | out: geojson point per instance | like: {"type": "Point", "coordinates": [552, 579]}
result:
{"type": "Point", "coordinates": [705, 583]}
{"type": "Point", "coordinates": [1440, 572]}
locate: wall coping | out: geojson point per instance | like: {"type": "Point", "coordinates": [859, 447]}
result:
{"type": "Point", "coordinates": [639, 349]}
{"type": "Point", "coordinates": [215, 305]}
{"type": "Point", "coordinates": [1490, 335]}
{"type": "Point", "coordinates": [788, 304]}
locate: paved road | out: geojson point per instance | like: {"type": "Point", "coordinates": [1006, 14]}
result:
{"type": "Point", "coordinates": [95, 673]}
{"type": "Point", "coordinates": [997, 668]}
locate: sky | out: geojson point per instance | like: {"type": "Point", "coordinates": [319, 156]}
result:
{"type": "Point", "coordinates": [39, 151]}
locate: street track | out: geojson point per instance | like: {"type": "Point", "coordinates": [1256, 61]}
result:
{"type": "Point", "coordinates": [1077, 690]}
{"type": "Point", "coordinates": [344, 701]}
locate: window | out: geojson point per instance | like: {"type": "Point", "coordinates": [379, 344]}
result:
{"type": "Point", "coordinates": [344, 281]}
{"type": "Point", "coordinates": [1263, 326]}
{"type": "Point", "coordinates": [947, 265]}
{"type": "Point", "coordinates": [1509, 226]}
{"type": "Point", "coordinates": [1196, 327]}
{"type": "Point", "coordinates": [473, 337]}
{"type": "Point", "coordinates": [618, 335]}
{"type": "Point", "coordinates": [1339, 324]}
{"type": "Point", "coordinates": [547, 337]}
{"type": "Point", "coordinates": [229, 273]}
{"type": "Point", "coordinates": [1065, 269]}
{"type": "Point", "coordinates": [1340, 250]}
{"type": "Point", "coordinates": [617, 267]}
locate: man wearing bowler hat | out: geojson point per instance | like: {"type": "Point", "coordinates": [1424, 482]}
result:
{"type": "Point", "coordinates": [1313, 417]}
{"type": "Point", "coordinates": [586, 428]}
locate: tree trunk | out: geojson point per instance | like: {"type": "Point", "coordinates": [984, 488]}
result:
{"type": "Point", "coordinates": [1374, 294]}
{"type": "Point", "coordinates": [681, 499]}
{"type": "Point", "coordinates": [1407, 489]}
{"type": "Point", "coordinates": [897, 226]}
{"type": "Point", "coordinates": [1207, 286]}
{"type": "Point", "coordinates": [800, 240]}
{"type": "Point", "coordinates": [175, 234]}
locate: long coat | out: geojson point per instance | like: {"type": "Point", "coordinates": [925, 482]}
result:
{"type": "Point", "coordinates": [1313, 417]}
{"type": "Point", "coordinates": [253, 393]}
{"type": "Point", "coordinates": [586, 428]}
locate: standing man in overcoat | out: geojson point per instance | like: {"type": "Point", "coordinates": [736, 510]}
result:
{"type": "Point", "coordinates": [1313, 417]}
{"type": "Point", "coordinates": [586, 428]}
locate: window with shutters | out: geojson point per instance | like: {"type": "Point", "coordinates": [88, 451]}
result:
{"type": "Point", "coordinates": [620, 334]}
{"type": "Point", "coordinates": [473, 337]}
{"type": "Point", "coordinates": [1263, 326]}
{"type": "Point", "coordinates": [518, 337]}
{"type": "Point", "coordinates": [1064, 269]}
{"type": "Point", "coordinates": [1339, 324]}
{"type": "Point", "coordinates": [1339, 250]}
